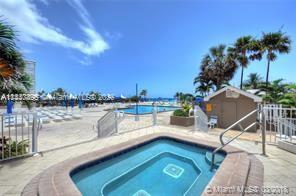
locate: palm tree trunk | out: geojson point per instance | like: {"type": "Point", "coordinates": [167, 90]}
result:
{"type": "Point", "coordinates": [242, 76]}
{"type": "Point", "coordinates": [267, 74]}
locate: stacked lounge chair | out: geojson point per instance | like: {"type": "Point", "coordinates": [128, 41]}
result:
{"type": "Point", "coordinates": [13, 120]}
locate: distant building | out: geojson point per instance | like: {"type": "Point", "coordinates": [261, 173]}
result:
{"type": "Point", "coordinates": [30, 70]}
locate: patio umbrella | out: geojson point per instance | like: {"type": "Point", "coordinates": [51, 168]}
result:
{"type": "Point", "coordinates": [122, 97]}
{"type": "Point", "coordinates": [199, 101]}
{"type": "Point", "coordinates": [49, 98]}
{"type": "Point", "coordinates": [72, 103]}
{"type": "Point", "coordinates": [80, 104]}
{"type": "Point", "coordinates": [9, 107]}
{"type": "Point", "coordinates": [66, 102]}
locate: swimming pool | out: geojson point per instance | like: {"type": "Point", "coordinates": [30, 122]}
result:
{"type": "Point", "coordinates": [160, 167]}
{"type": "Point", "coordinates": [147, 109]}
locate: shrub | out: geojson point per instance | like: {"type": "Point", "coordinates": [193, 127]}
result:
{"type": "Point", "coordinates": [186, 108]}
{"type": "Point", "coordinates": [16, 148]}
{"type": "Point", "coordinates": [181, 113]}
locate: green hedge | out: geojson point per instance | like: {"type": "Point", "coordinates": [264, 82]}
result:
{"type": "Point", "coordinates": [180, 113]}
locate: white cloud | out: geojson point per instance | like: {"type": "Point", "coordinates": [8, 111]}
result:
{"type": "Point", "coordinates": [113, 36]}
{"type": "Point", "coordinates": [34, 28]}
{"type": "Point", "coordinates": [26, 51]}
{"type": "Point", "coordinates": [85, 61]}
{"type": "Point", "coordinates": [45, 2]}
{"type": "Point", "coordinates": [81, 11]}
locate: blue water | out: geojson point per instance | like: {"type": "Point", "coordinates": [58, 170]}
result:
{"type": "Point", "coordinates": [162, 167]}
{"type": "Point", "coordinates": [147, 109]}
{"type": "Point", "coordinates": [144, 176]}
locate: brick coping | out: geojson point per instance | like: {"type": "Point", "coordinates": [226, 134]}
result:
{"type": "Point", "coordinates": [233, 172]}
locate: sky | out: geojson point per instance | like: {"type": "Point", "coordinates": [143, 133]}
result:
{"type": "Point", "coordinates": [110, 45]}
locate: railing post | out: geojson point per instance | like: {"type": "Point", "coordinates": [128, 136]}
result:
{"type": "Point", "coordinates": [195, 118]}
{"type": "Point", "coordinates": [213, 160]}
{"type": "Point", "coordinates": [116, 121]}
{"type": "Point", "coordinates": [154, 115]}
{"type": "Point", "coordinates": [2, 135]}
{"type": "Point", "coordinates": [263, 132]}
{"type": "Point", "coordinates": [34, 134]}
{"type": "Point", "coordinates": [99, 128]}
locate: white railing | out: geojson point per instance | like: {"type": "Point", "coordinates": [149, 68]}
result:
{"type": "Point", "coordinates": [19, 134]}
{"type": "Point", "coordinates": [108, 124]}
{"type": "Point", "coordinates": [280, 122]}
{"type": "Point", "coordinates": [200, 119]}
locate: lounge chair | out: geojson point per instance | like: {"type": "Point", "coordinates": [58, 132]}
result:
{"type": "Point", "coordinates": [50, 115]}
{"type": "Point", "coordinates": [281, 136]}
{"type": "Point", "coordinates": [67, 116]}
{"type": "Point", "coordinates": [44, 119]}
{"type": "Point", "coordinates": [12, 121]}
{"type": "Point", "coordinates": [57, 118]}
{"type": "Point", "coordinates": [40, 116]}
{"type": "Point", "coordinates": [213, 121]}
{"type": "Point", "coordinates": [76, 115]}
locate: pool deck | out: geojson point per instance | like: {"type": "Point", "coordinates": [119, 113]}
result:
{"type": "Point", "coordinates": [279, 165]}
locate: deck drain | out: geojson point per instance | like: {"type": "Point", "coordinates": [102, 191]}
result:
{"type": "Point", "coordinates": [173, 170]}
{"type": "Point", "coordinates": [141, 193]}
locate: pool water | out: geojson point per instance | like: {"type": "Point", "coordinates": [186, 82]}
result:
{"type": "Point", "coordinates": [147, 109]}
{"type": "Point", "coordinates": [161, 167]}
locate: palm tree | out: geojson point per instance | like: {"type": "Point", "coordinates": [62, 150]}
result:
{"type": "Point", "coordinates": [95, 96]}
{"type": "Point", "coordinates": [7, 36]}
{"type": "Point", "coordinates": [240, 50]}
{"type": "Point", "coordinates": [275, 91]}
{"type": "Point", "coordinates": [217, 67]}
{"type": "Point", "coordinates": [203, 89]}
{"type": "Point", "coordinates": [289, 98]}
{"type": "Point", "coordinates": [59, 92]}
{"type": "Point", "coordinates": [253, 81]}
{"type": "Point", "coordinates": [13, 78]}
{"type": "Point", "coordinates": [187, 98]}
{"type": "Point", "coordinates": [41, 93]}
{"type": "Point", "coordinates": [143, 94]}
{"type": "Point", "coordinates": [271, 44]}
{"type": "Point", "coordinates": [184, 97]}
{"type": "Point", "coordinates": [178, 96]}
{"type": "Point", "coordinates": [204, 86]}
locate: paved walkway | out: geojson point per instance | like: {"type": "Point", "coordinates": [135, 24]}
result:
{"type": "Point", "coordinates": [59, 134]}
{"type": "Point", "coordinates": [279, 165]}
{"type": "Point", "coordinates": [67, 132]}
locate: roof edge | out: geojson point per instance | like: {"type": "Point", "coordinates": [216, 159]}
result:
{"type": "Point", "coordinates": [242, 92]}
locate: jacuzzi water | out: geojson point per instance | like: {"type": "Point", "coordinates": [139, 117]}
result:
{"type": "Point", "coordinates": [161, 167]}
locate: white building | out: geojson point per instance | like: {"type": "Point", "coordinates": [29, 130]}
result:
{"type": "Point", "coordinates": [30, 69]}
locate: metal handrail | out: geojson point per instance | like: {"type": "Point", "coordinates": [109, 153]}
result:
{"type": "Point", "coordinates": [229, 141]}
{"type": "Point", "coordinates": [236, 123]}
{"type": "Point", "coordinates": [111, 119]}
{"type": "Point", "coordinates": [105, 116]}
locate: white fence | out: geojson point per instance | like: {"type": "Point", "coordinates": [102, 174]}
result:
{"type": "Point", "coordinates": [280, 123]}
{"type": "Point", "coordinates": [19, 133]}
